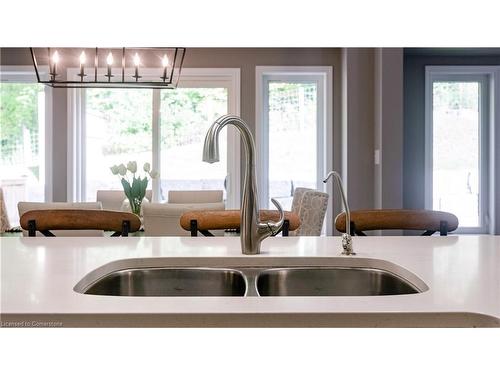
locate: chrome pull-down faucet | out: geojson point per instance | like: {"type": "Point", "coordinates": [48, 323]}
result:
{"type": "Point", "coordinates": [346, 237]}
{"type": "Point", "coordinates": [253, 232]}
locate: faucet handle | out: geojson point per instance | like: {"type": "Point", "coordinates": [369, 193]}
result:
{"type": "Point", "coordinates": [275, 227]}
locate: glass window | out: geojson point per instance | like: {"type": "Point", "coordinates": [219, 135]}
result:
{"type": "Point", "coordinates": [118, 130]}
{"type": "Point", "coordinates": [186, 115]}
{"type": "Point", "coordinates": [292, 139]}
{"type": "Point", "coordinates": [118, 127]}
{"type": "Point", "coordinates": [22, 130]}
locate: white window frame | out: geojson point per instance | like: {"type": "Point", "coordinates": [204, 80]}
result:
{"type": "Point", "coordinates": [322, 76]}
{"type": "Point", "coordinates": [488, 76]}
{"type": "Point", "coordinates": [228, 78]}
{"type": "Point", "coordinates": [26, 74]}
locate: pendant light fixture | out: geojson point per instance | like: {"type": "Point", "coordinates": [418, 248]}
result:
{"type": "Point", "coordinates": [158, 68]}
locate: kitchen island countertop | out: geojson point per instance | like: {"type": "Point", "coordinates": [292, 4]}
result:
{"type": "Point", "coordinates": [461, 276]}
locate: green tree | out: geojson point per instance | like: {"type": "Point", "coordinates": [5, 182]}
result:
{"type": "Point", "coordinates": [18, 109]}
{"type": "Point", "coordinates": [188, 112]}
{"type": "Point", "coordinates": [127, 114]}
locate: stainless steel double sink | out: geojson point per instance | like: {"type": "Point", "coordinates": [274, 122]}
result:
{"type": "Point", "coordinates": [249, 281]}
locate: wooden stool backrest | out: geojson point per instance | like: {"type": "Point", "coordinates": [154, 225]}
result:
{"type": "Point", "coordinates": [426, 220]}
{"type": "Point", "coordinates": [57, 219]}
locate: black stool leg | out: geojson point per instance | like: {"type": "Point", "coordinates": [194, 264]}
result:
{"type": "Point", "coordinates": [443, 228]}
{"type": "Point", "coordinates": [286, 227]}
{"type": "Point", "coordinates": [125, 228]}
{"type": "Point", "coordinates": [194, 228]}
{"type": "Point", "coordinates": [31, 228]}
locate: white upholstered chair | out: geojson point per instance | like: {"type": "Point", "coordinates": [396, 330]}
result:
{"type": "Point", "coordinates": [28, 206]}
{"type": "Point", "coordinates": [4, 218]}
{"type": "Point", "coordinates": [113, 199]}
{"type": "Point", "coordinates": [311, 207]}
{"type": "Point", "coordinates": [195, 196]}
{"type": "Point", "coordinates": [162, 219]}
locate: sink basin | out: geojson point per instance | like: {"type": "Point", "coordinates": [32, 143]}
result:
{"type": "Point", "coordinates": [175, 282]}
{"type": "Point", "coordinates": [130, 280]}
{"type": "Point", "coordinates": [333, 281]}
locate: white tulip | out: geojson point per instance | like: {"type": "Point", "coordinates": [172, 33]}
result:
{"type": "Point", "coordinates": [114, 169]}
{"type": "Point", "coordinates": [132, 166]}
{"type": "Point", "coordinates": [122, 169]}
{"type": "Point", "coordinates": [147, 167]}
{"type": "Point", "coordinates": [154, 174]}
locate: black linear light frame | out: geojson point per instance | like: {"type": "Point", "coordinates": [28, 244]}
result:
{"type": "Point", "coordinates": [166, 83]}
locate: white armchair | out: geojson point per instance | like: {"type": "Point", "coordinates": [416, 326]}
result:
{"type": "Point", "coordinates": [28, 206]}
{"type": "Point", "coordinates": [162, 219]}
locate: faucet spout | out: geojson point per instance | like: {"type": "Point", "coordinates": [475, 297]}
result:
{"type": "Point", "coordinates": [253, 232]}
{"type": "Point", "coordinates": [211, 146]}
{"type": "Point", "coordinates": [346, 237]}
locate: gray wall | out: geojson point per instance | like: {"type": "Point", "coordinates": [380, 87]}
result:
{"type": "Point", "coordinates": [372, 118]}
{"type": "Point", "coordinates": [415, 61]}
{"type": "Point", "coordinates": [358, 125]}
{"type": "Point", "coordinates": [59, 144]}
{"type": "Point", "coordinates": [388, 140]}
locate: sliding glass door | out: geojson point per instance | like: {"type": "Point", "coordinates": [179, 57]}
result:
{"type": "Point", "coordinates": [293, 132]}
{"type": "Point", "coordinates": [457, 147]}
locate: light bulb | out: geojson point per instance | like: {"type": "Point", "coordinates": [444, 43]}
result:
{"type": "Point", "coordinates": [109, 59]}
{"type": "Point", "coordinates": [137, 59]}
{"type": "Point", "coordinates": [83, 58]}
{"type": "Point", "coordinates": [164, 61]}
{"type": "Point", "coordinates": [55, 57]}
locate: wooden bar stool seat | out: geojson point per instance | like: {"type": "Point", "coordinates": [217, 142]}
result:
{"type": "Point", "coordinates": [426, 220]}
{"type": "Point", "coordinates": [122, 223]}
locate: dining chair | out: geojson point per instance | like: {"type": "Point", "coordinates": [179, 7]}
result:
{"type": "Point", "coordinates": [195, 196]}
{"type": "Point", "coordinates": [163, 219]}
{"type": "Point", "coordinates": [4, 218]}
{"type": "Point", "coordinates": [310, 205]}
{"type": "Point", "coordinates": [46, 221]}
{"type": "Point", "coordinates": [382, 219]}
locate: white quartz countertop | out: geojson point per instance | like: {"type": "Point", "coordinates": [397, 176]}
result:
{"type": "Point", "coordinates": [462, 274]}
